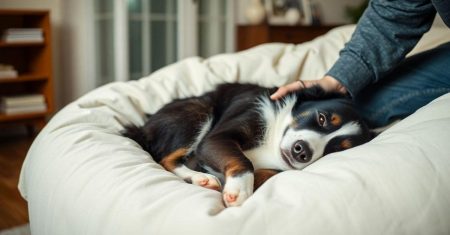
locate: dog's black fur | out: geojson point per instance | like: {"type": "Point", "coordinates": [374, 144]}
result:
{"type": "Point", "coordinates": [212, 133]}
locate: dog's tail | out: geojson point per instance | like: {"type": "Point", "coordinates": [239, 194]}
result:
{"type": "Point", "coordinates": [137, 134]}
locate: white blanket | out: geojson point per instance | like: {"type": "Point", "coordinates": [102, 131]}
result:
{"type": "Point", "coordinates": [82, 177]}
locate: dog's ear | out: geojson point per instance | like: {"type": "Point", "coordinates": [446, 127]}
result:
{"type": "Point", "coordinates": [317, 93]}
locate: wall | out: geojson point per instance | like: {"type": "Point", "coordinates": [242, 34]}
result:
{"type": "Point", "coordinates": [333, 12]}
{"type": "Point", "coordinates": [77, 41]}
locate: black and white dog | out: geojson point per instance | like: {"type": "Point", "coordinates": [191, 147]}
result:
{"type": "Point", "coordinates": [237, 136]}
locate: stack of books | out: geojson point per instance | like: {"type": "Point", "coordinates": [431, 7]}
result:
{"type": "Point", "coordinates": [23, 35]}
{"type": "Point", "coordinates": [31, 103]}
{"type": "Point", "coordinates": [7, 71]}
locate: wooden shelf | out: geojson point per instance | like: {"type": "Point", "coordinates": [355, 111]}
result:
{"type": "Point", "coordinates": [24, 78]}
{"type": "Point", "coordinates": [21, 44]}
{"type": "Point", "coordinates": [23, 116]}
{"type": "Point", "coordinates": [22, 12]}
{"type": "Point", "coordinates": [33, 61]}
{"type": "Point", "coordinates": [252, 35]}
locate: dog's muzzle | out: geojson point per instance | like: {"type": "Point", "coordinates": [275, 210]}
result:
{"type": "Point", "coordinates": [301, 152]}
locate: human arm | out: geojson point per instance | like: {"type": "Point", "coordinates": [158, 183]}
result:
{"type": "Point", "coordinates": [386, 32]}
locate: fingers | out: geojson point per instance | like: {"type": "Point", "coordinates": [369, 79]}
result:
{"type": "Point", "coordinates": [284, 90]}
{"type": "Point", "coordinates": [328, 83]}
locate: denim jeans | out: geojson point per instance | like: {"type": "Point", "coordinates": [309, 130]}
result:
{"type": "Point", "coordinates": [418, 80]}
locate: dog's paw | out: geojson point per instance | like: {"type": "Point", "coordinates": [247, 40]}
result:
{"type": "Point", "coordinates": [206, 181]}
{"type": "Point", "coordinates": [238, 189]}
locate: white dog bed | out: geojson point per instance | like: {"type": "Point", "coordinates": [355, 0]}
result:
{"type": "Point", "coordinates": [82, 177]}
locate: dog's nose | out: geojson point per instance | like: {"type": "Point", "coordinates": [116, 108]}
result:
{"type": "Point", "coordinates": [301, 152]}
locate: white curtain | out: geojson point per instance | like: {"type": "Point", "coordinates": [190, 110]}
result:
{"type": "Point", "coordinates": [136, 37]}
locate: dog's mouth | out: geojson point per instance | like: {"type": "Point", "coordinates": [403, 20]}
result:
{"type": "Point", "coordinates": [286, 158]}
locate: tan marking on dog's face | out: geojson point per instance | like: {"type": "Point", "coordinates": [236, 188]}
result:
{"type": "Point", "coordinates": [336, 120]}
{"type": "Point", "coordinates": [294, 124]}
{"type": "Point", "coordinates": [171, 161]}
{"type": "Point", "coordinates": [346, 144]}
{"type": "Point", "coordinates": [304, 114]}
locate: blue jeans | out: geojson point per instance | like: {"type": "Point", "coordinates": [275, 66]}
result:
{"type": "Point", "coordinates": [418, 80]}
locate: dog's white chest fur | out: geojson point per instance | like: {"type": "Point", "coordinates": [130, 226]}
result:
{"type": "Point", "coordinates": [268, 155]}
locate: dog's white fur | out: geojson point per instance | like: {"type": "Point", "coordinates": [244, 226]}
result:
{"type": "Point", "coordinates": [317, 141]}
{"type": "Point", "coordinates": [268, 153]}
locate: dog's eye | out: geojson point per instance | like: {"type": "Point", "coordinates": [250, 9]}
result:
{"type": "Point", "coordinates": [322, 119]}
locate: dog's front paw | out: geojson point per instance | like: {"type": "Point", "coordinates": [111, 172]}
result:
{"type": "Point", "coordinates": [237, 189]}
{"type": "Point", "coordinates": [206, 181]}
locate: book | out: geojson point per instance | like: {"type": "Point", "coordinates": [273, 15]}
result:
{"type": "Point", "coordinates": [8, 74]}
{"type": "Point", "coordinates": [23, 39]}
{"type": "Point", "coordinates": [7, 71]}
{"type": "Point", "coordinates": [4, 67]}
{"type": "Point", "coordinates": [23, 109]}
{"type": "Point", "coordinates": [23, 31]}
{"type": "Point", "coordinates": [22, 100]}
{"type": "Point", "coordinates": [23, 35]}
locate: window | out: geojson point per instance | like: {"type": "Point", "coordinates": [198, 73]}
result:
{"type": "Point", "coordinates": [212, 22]}
{"type": "Point", "coordinates": [104, 41]}
{"type": "Point", "coordinates": [154, 37]}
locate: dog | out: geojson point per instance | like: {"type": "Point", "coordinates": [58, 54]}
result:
{"type": "Point", "coordinates": [237, 136]}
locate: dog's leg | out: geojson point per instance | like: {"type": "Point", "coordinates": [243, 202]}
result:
{"type": "Point", "coordinates": [225, 155]}
{"type": "Point", "coordinates": [262, 175]}
{"type": "Point", "coordinates": [238, 182]}
{"type": "Point", "coordinates": [174, 163]}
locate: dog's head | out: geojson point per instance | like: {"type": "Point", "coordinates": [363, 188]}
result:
{"type": "Point", "coordinates": [321, 123]}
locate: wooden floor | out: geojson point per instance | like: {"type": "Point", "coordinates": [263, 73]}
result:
{"type": "Point", "coordinates": [13, 209]}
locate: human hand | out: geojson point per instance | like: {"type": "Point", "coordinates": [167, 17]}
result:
{"type": "Point", "coordinates": [328, 83]}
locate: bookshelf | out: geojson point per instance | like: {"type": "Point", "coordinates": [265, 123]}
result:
{"type": "Point", "coordinates": [252, 35]}
{"type": "Point", "coordinates": [33, 62]}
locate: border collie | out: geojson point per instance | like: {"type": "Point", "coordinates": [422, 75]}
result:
{"type": "Point", "coordinates": [237, 136]}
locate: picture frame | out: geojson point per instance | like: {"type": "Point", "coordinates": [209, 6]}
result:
{"type": "Point", "coordinates": [282, 12]}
